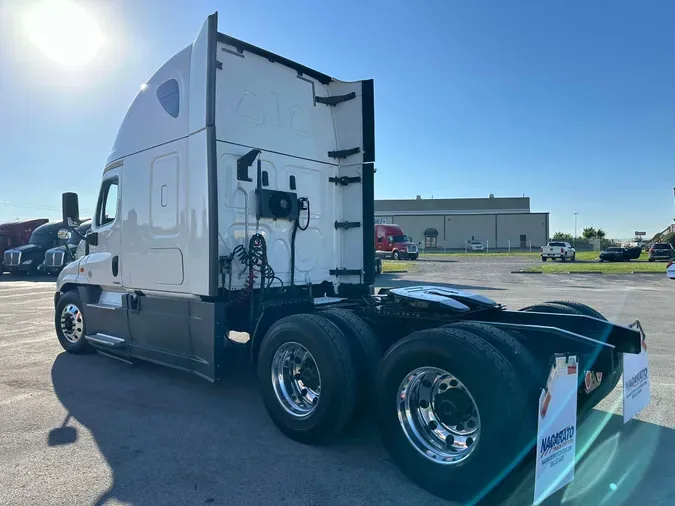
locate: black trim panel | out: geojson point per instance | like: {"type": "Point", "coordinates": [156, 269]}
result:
{"type": "Point", "coordinates": [274, 58]}
{"type": "Point", "coordinates": [212, 159]}
{"type": "Point", "coordinates": [368, 179]}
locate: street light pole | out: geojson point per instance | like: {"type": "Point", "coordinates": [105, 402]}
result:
{"type": "Point", "coordinates": [574, 239]}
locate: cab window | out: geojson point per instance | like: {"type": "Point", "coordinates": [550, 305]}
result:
{"type": "Point", "coordinates": [107, 202]}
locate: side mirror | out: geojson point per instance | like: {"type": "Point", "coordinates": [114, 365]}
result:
{"type": "Point", "coordinates": [70, 209]}
{"type": "Point", "coordinates": [64, 234]}
{"type": "Point", "coordinates": [419, 242]}
{"type": "Point", "coordinates": [91, 238]}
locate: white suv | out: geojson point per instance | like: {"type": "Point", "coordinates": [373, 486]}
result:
{"type": "Point", "coordinates": [475, 246]}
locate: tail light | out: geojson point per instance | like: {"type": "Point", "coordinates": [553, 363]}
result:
{"type": "Point", "coordinates": [562, 250]}
{"type": "Point", "coordinates": [541, 250]}
{"type": "Point", "coordinates": [651, 250]}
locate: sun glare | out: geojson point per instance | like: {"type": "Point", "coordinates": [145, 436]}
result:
{"type": "Point", "coordinates": [64, 32]}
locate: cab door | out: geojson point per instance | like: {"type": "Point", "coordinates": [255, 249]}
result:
{"type": "Point", "coordinates": [103, 264]}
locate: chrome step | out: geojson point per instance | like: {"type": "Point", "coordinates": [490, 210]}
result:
{"type": "Point", "coordinates": [105, 340]}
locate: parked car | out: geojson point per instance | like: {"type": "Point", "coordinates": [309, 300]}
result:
{"type": "Point", "coordinates": [57, 258]}
{"type": "Point", "coordinates": [391, 241]}
{"type": "Point", "coordinates": [661, 251]}
{"type": "Point", "coordinates": [619, 254]}
{"type": "Point", "coordinates": [16, 233]}
{"type": "Point", "coordinates": [475, 246]}
{"type": "Point", "coordinates": [26, 259]}
{"type": "Point", "coordinates": [670, 270]}
{"type": "Point", "coordinates": [556, 250]}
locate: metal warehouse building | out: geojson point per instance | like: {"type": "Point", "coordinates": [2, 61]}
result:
{"type": "Point", "coordinates": [450, 223]}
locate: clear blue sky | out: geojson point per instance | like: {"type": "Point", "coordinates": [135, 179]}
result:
{"type": "Point", "coordinates": [571, 103]}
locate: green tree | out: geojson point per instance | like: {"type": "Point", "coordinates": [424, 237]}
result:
{"type": "Point", "coordinates": [669, 237]}
{"type": "Point", "coordinates": [562, 236]}
{"type": "Point", "coordinates": [589, 233]}
{"type": "Point", "coordinates": [600, 233]}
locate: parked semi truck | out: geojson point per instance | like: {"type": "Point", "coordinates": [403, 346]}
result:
{"type": "Point", "coordinates": [238, 197]}
{"type": "Point", "coordinates": [57, 258]}
{"type": "Point", "coordinates": [16, 233]}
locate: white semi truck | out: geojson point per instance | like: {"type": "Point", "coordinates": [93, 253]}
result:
{"type": "Point", "coordinates": [238, 197]}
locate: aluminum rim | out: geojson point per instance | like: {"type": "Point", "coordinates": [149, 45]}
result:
{"type": "Point", "coordinates": [296, 379]}
{"type": "Point", "coordinates": [438, 415]}
{"type": "Point", "coordinates": [72, 323]}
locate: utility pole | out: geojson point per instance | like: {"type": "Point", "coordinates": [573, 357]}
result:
{"type": "Point", "coordinates": [574, 239]}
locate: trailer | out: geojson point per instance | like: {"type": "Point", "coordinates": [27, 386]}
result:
{"type": "Point", "coordinates": [238, 198]}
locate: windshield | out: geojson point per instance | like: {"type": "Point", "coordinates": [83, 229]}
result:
{"type": "Point", "coordinates": [614, 249]}
{"type": "Point", "coordinates": [41, 239]}
{"type": "Point", "coordinates": [401, 238]}
{"type": "Point", "coordinates": [662, 246]}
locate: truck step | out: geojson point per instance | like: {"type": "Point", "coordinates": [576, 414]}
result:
{"type": "Point", "coordinates": [106, 340]}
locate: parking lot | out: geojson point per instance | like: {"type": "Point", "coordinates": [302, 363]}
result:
{"type": "Point", "coordinates": [92, 430]}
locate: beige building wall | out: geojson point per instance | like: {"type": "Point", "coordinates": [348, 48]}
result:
{"type": "Point", "coordinates": [494, 229]}
{"type": "Point", "coordinates": [415, 226]}
{"type": "Point", "coordinates": [520, 229]}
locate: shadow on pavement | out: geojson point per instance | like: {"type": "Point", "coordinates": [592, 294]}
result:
{"type": "Point", "coordinates": [396, 281]}
{"type": "Point", "coordinates": [169, 437]}
{"type": "Point", "coordinates": [13, 278]}
{"type": "Point", "coordinates": [617, 464]}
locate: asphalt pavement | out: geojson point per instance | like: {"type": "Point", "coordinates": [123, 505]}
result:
{"type": "Point", "coordinates": [93, 430]}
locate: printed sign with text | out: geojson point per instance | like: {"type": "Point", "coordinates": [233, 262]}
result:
{"type": "Point", "coordinates": [636, 387]}
{"type": "Point", "coordinates": [556, 431]}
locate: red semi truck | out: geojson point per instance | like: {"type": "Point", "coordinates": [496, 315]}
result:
{"type": "Point", "coordinates": [16, 233]}
{"type": "Point", "coordinates": [391, 241]}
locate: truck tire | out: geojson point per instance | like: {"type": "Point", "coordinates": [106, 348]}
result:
{"type": "Point", "coordinates": [513, 350]}
{"type": "Point", "coordinates": [588, 401]}
{"type": "Point", "coordinates": [543, 259]}
{"type": "Point", "coordinates": [307, 377]}
{"type": "Point", "coordinates": [364, 347]}
{"type": "Point", "coordinates": [449, 375]}
{"type": "Point", "coordinates": [579, 307]}
{"type": "Point", "coordinates": [70, 324]}
{"type": "Point", "coordinates": [574, 258]}
{"type": "Point", "coordinates": [378, 266]}
{"type": "Point", "coordinates": [585, 401]}
{"type": "Point", "coordinates": [395, 255]}
{"type": "Point", "coordinates": [551, 307]}
{"type": "Point", "coordinates": [563, 258]}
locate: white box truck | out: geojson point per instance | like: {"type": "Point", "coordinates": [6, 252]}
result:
{"type": "Point", "coordinates": [238, 197]}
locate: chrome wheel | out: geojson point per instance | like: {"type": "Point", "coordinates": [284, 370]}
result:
{"type": "Point", "coordinates": [438, 415]}
{"type": "Point", "coordinates": [296, 379]}
{"type": "Point", "coordinates": [72, 323]}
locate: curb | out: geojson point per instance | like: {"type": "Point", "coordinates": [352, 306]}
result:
{"type": "Point", "coordinates": [526, 272]}
{"type": "Point", "coordinates": [394, 272]}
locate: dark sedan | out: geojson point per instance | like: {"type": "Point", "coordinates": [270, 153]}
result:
{"type": "Point", "coordinates": [618, 254]}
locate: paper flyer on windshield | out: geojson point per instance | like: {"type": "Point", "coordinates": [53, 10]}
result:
{"type": "Point", "coordinates": [636, 385]}
{"type": "Point", "coordinates": [556, 431]}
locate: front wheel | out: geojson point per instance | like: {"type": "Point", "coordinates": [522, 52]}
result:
{"type": "Point", "coordinates": [70, 324]}
{"type": "Point", "coordinates": [574, 258]}
{"type": "Point", "coordinates": [395, 255]}
{"type": "Point", "coordinates": [443, 416]}
{"type": "Point", "coordinates": [651, 259]}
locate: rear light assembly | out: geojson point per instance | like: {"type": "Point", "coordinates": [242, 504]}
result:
{"type": "Point", "coordinates": [651, 250]}
{"type": "Point", "coordinates": [670, 262]}
{"type": "Point", "coordinates": [541, 250]}
{"type": "Point", "coordinates": [562, 250]}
